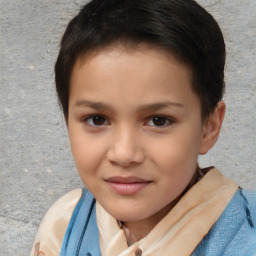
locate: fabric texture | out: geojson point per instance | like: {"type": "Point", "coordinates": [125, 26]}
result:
{"type": "Point", "coordinates": [82, 237]}
{"type": "Point", "coordinates": [49, 237]}
{"type": "Point", "coordinates": [234, 233]}
{"type": "Point", "coordinates": [201, 206]}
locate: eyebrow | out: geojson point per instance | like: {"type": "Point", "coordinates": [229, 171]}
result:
{"type": "Point", "coordinates": [92, 104]}
{"type": "Point", "coordinates": [159, 106]}
{"type": "Point", "coordinates": [142, 108]}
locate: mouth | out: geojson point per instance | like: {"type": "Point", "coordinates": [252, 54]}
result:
{"type": "Point", "coordinates": [127, 185]}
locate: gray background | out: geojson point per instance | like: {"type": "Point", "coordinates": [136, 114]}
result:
{"type": "Point", "coordinates": [36, 166]}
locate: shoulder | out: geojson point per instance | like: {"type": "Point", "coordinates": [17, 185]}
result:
{"type": "Point", "coordinates": [243, 224]}
{"type": "Point", "coordinates": [235, 231]}
{"type": "Point", "coordinates": [244, 204]}
{"type": "Point", "coordinates": [53, 226]}
{"type": "Point", "coordinates": [249, 198]}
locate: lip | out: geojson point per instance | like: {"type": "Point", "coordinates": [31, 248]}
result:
{"type": "Point", "coordinates": [127, 185]}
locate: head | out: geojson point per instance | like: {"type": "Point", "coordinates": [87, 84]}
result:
{"type": "Point", "coordinates": [182, 28]}
{"type": "Point", "coordinates": [140, 84]}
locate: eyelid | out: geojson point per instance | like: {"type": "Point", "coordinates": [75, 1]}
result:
{"type": "Point", "coordinates": [86, 118]}
{"type": "Point", "coordinates": [169, 120]}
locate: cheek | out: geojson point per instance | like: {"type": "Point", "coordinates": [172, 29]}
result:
{"type": "Point", "coordinates": [86, 152]}
{"type": "Point", "coordinates": [176, 160]}
{"type": "Point", "coordinates": [176, 150]}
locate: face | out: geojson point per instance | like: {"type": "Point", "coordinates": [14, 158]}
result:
{"type": "Point", "coordinates": [135, 129]}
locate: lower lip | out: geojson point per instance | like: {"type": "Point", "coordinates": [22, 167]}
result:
{"type": "Point", "coordinates": [128, 188]}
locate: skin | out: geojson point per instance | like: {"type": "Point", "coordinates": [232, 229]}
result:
{"type": "Point", "coordinates": [132, 113]}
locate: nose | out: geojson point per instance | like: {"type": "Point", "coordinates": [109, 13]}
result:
{"type": "Point", "coordinates": [126, 149]}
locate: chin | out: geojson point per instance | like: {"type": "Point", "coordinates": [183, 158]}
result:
{"type": "Point", "coordinates": [128, 214]}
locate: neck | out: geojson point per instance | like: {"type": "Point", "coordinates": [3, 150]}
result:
{"type": "Point", "coordinates": [136, 230]}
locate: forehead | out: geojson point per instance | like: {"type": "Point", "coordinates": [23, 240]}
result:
{"type": "Point", "coordinates": [142, 73]}
{"type": "Point", "coordinates": [117, 52]}
{"type": "Point", "coordinates": [140, 50]}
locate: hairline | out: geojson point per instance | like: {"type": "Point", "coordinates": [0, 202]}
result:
{"type": "Point", "coordinates": [134, 45]}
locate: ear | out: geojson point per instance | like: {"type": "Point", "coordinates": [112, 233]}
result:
{"type": "Point", "coordinates": [212, 127]}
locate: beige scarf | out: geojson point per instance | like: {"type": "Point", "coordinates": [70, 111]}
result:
{"type": "Point", "coordinates": [53, 227]}
{"type": "Point", "coordinates": [181, 230]}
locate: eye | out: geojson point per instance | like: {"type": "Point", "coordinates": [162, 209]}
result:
{"type": "Point", "coordinates": [96, 120]}
{"type": "Point", "coordinates": [160, 121]}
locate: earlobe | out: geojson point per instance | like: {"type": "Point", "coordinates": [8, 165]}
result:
{"type": "Point", "coordinates": [212, 127]}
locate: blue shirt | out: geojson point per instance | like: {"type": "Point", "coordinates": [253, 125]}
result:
{"type": "Point", "coordinates": [234, 234]}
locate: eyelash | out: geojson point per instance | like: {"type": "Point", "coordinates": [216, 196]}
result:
{"type": "Point", "coordinates": [86, 120]}
{"type": "Point", "coordinates": [167, 121]}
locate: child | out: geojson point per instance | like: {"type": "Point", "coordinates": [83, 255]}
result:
{"type": "Point", "coordinates": [141, 85]}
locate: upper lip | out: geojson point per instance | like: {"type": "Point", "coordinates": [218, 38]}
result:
{"type": "Point", "coordinates": [131, 179]}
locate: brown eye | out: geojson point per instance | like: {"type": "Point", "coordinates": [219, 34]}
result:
{"type": "Point", "coordinates": [159, 121]}
{"type": "Point", "coordinates": [96, 120]}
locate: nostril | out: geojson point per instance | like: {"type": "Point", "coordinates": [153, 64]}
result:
{"type": "Point", "coordinates": [125, 158]}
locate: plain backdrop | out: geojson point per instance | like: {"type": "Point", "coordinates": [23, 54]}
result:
{"type": "Point", "coordinates": [36, 166]}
